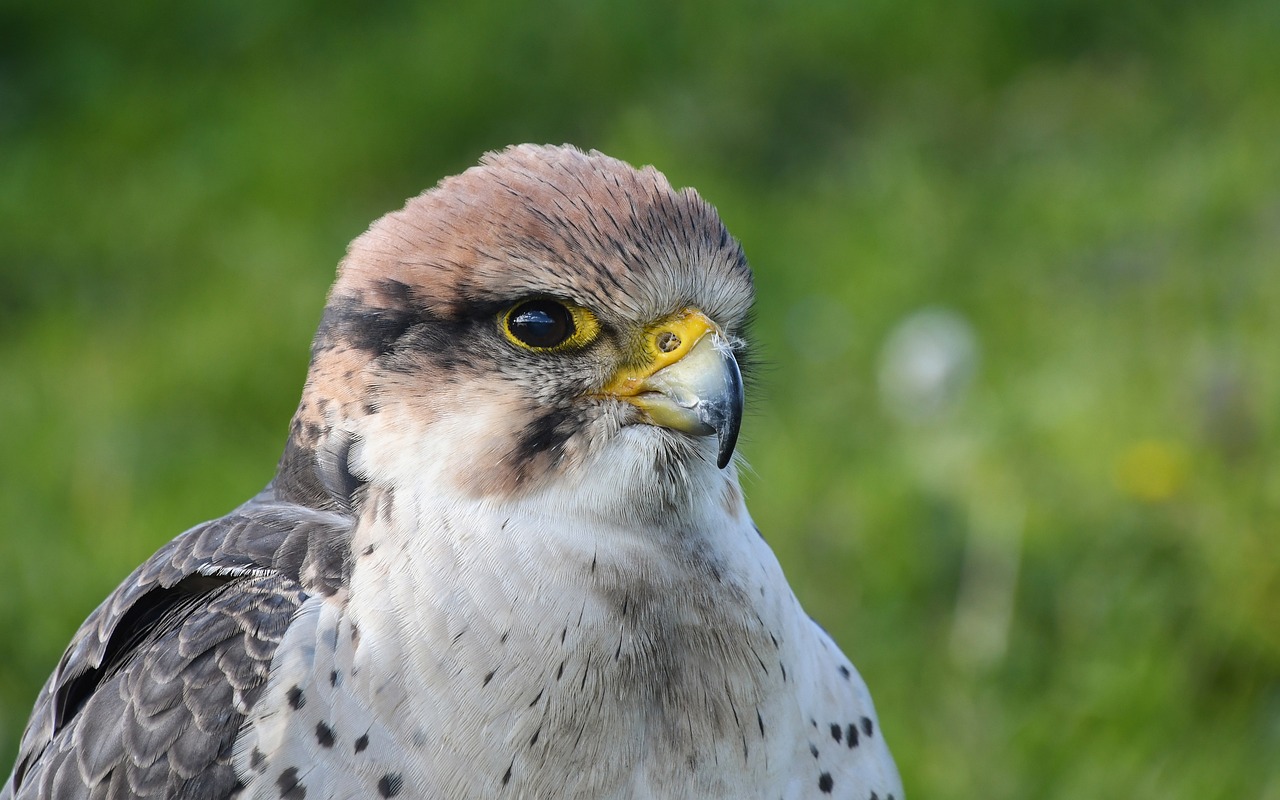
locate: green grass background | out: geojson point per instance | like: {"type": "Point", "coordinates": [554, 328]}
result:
{"type": "Point", "coordinates": [1065, 585]}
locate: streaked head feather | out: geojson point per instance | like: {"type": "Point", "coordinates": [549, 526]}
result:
{"type": "Point", "coordinates": [410, 329]}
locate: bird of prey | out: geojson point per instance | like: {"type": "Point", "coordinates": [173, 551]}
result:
{"type": "Point", "coordinates": [505, 553]}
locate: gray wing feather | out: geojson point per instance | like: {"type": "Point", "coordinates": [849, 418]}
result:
{"type": "Point", "coordinates": [150, 694]}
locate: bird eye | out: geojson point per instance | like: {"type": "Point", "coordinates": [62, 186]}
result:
{"type": "Point", "coordinates": [545, 324]}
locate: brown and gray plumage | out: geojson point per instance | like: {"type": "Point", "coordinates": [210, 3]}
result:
{"type": "Point", "coordinates": [505, 553]}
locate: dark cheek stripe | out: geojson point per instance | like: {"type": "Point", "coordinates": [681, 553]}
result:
{"type": "Point", "coordinates": [377, 331]}
{"type": "Point", "coordinates": [371, 330]}
{"type": "Point", "coordinates": [545, 434]}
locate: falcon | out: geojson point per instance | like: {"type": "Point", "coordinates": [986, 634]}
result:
{"type": "Point", "coordinates": [505, 553]}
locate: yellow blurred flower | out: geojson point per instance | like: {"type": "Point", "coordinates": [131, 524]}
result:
{"type": "Point", "coordinates": [1151, 470]}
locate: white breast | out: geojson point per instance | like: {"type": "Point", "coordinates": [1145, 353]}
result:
{"type": "Point", "coordinates": [537, 649]}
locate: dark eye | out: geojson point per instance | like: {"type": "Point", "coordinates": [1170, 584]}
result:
{"type": "Point", "coordinates": [542, 324]}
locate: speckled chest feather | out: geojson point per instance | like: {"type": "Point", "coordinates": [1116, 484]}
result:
{"type": "Point", "coordinates": [575, 658]}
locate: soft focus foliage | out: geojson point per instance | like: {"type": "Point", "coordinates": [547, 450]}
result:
{"type": "Point", "coordinates": [1060, 576]}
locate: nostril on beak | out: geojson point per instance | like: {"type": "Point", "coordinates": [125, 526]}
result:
{"type": "Point", "coordinates": [667, 341]}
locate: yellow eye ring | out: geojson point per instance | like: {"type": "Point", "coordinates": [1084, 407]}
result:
{"type": "Point", "coordinates": [544, 325]}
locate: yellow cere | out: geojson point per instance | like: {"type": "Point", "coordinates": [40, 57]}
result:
{"type": "Point", "coordinates": [665, 343]}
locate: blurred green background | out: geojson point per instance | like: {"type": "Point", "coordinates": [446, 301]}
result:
{"type": "Point", "coordinates": [1019, 295]}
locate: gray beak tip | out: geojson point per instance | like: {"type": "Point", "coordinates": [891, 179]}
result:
{"type": "Point", "coordinates": [726, 412]}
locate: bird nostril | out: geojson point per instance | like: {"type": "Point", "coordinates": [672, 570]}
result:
{"type": "Point", "coordinates": [667, 341]}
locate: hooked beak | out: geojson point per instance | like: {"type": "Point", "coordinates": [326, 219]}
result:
{"type": "Point", "coordinates": [691, 384]}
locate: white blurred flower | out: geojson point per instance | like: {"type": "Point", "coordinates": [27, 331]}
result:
{"type": "Point", "coordinates": [927, 363]}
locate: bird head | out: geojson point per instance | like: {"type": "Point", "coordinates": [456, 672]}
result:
{"type": "Point", "coordinates": [546, 314]}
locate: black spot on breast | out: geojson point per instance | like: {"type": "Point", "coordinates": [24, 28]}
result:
{"type": "Point", "coordinates": [813, 749]}
{"type": "Point", "coordinates": [760, 722]}
{"type": "Point", "coordinates": [333, 677]}
{"type": "Point", "coordinates": [851, 735]}
{"type": "Point", "coordinates": [488, 677]}
{"type": "Point", "coordinates": [534, 739]}
{"type": "Point", "coordinates": [289, 786]}
{"type": "Point", "coordinates": [389, 785]}
{"type": "Point", "coordinates": [867, 726]}
{"type": "Point", "coordinates": [825, 782]}
{"type": "Point", "coordinates": [324, 735]}
{"type": "Point", "coordinates": [362, 743]}
{"type": "Point", "coordinates": [836, 732]}
{"type": "Point", "coordinates": [296, 698]}
{"type": "Point", "coordinates": [256, 759]}
{"type": "Point", "coordinates": [844, 671]}
{"type": "Point", "coordinates": [506, 776]}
